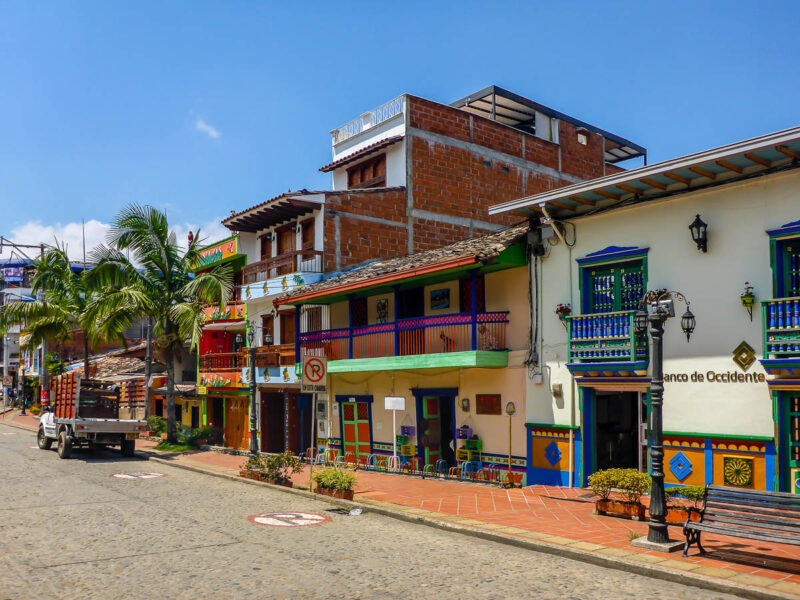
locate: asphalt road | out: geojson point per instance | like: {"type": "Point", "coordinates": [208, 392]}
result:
{"type": "Point", "coordinates": [70, 530]}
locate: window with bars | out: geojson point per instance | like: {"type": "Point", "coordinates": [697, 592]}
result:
{"type": "Point", "coordinates": [794, 431]}
{"type": "Point", "coordinates": [613, 288]}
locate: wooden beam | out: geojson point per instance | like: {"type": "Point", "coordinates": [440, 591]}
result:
{"type": "Point", "coordinates": [680, 178]}
{"type": "Point", "coordinates": [757, 159]}
{"type": "Point", "coordinates": [703, 172]}
{"type": "Point", "coordinates": [606, 194]}
{"type": "Point", "coordinates": [655, 184]}
{"type": "Point", "coordinates": [730, 166]}
{"type": "Point", "coordinates": [563, 205]}
{"type": "Point", "coordinates": [628, 188]}
{"type": "Point", "coordinates": [787, 151]}
{"type": "Point", "coordinates": [580, 200]}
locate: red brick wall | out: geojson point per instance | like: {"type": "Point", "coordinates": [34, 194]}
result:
{"type": "Point", "coordinates": [361, 240]}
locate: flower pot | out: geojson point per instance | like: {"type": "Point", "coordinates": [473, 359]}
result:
{"type": "Point", "coordinates": [342, 494]}
{"type": "Point", "coordinates": [618, 508]}
{"type": "Point", "coordinates": [260, 477]}
{"type": "Point", "coordinates": [676, 515]}
{"type": "Point", "coordinates": [163, 436]}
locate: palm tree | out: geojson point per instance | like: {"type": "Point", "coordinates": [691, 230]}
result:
{"type": "Point", "coordinates": [60, 304]}
{"type": "Point", "coordinates": [143, 272]}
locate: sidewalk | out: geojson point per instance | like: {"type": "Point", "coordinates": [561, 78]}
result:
{"type": "Point", "coordinates": [551, 515]}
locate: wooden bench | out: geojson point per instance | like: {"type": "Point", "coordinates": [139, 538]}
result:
{"type": "Point", "coordinates": [743, 513]}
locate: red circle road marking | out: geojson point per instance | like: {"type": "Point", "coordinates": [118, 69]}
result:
{"type": "Point", "coordinates": [289, 519]}
{"type": "Point", "coordinates": [314, 370]}
{"type": "Point", "coordinates": [138, 475]}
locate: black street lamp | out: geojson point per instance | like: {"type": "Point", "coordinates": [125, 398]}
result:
{"type": "Point", "coordinates": [654, 310]}
{"type": "Point", "coordinates": [251, 342]}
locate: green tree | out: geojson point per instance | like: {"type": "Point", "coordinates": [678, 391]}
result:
{"type": "Point", "coordinates": [61, 295]}
{"type": "Point", "coordinates": [143, 272]}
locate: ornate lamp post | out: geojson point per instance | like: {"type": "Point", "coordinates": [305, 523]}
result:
{"type": "Point", "coordinates": [511, 409]}
{"type": "Point", "coordinates": [251, 342]}
{"type": "Point", "coordinates": [655, 308]}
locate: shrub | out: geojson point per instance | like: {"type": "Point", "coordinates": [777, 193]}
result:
{"type": "Point", "coordinates": [603, 482]}
{"type": "Point", "coordinates": [692, 493]}
{"type": "Point", "coordinates": [335, 479]}
{"type": "Point", "coordinates": [633, 484]}
{"type": "Point", "coordinates": [278, 468]}
{"type": "Point", "coordinates": [212, 435]}
{"type": "Point", "coordinates": [156, 424]}
{"type": "Point", "coordinates": [35, 409]}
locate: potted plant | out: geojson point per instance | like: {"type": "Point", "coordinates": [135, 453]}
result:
{"type": "Point", "coordinates": [677, 510]}
{"type": "Point", "coordinates": [563, 311]}
{"type": "Point", "coordinates": [630, 483]}
{"type": "Point", "coordinates": [274, 468]}
{"type": "Point", "coordinates": [337, 483]}
{"type": "Point", "coordinates": [748, 297]}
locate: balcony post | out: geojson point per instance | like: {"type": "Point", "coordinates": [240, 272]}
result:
{"type": "Point", "coordinates": [350, 327]}
{"type": "Point", "coordinates": [396, 332]}
{"type": "Point", "coordinates": [297, 357]}
{"type": "Point", "coordinates": [473, 276]}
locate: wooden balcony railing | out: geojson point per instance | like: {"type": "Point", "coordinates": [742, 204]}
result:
{"type": "Point", "coordinates": [457, 332]}
{"type": "Point", "coordinates": [270, 356]}
{"type": "Point", "coordinates": [298, 261]}
{"type": "Point", "coordinates": [781, 324]}
{"type": "Point", "coordinates": [604, 337]}
{"type": "Point", "coordinates": [222, 361]}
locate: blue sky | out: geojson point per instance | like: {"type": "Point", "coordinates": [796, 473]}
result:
{"type": "Point", "coordinates": [202, 107]}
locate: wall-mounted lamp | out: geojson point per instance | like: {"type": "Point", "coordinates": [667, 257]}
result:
{"type": "Point", "coordinates": [269, 236]}
{"type": "Point", "coordinates": [465, 405]}
{"type": "Point", "coordinates": [267, 339]}
{"type": "Point", "coordinates": [239, 339]}
{"type": "Point", "coordinates": [699, 231]}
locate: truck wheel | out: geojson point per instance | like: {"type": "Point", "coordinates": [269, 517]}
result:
{"type": "Point", "coordinates": [64, 445]}
{"type": "Point", "coordinates": [42, 440]}
{"type": "Point", "coordinates": [128, 447]}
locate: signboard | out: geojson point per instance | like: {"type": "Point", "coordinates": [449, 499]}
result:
{"type": "Point", "coordinates": [202, 390]}
{"type": "Point", "coordinates": [223, 379]}
{"type": "Point", "coordinates": [8, 381]}
{"type": "Point", "coordinates": [314, 375]}
{"type": "Point", "coordinates": [231, 312]}
{"type": "Point", "coordinates": [395, 403]}
{"type": "Point", "coordinates": [218, 252]}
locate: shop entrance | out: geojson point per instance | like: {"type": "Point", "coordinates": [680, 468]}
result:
{"type": "Point", "coordinates": [214, 412]}
{"type": "Point", "coordinates": [435, 424]}
{"type": "Point", "coordinates": [236, 411]}
{"type": "Point", "coordinates": [789, 454]}
{"type": "Point", "coordinates": [620, 439]}
{"type": "Point", "coordinates": [273, 419]}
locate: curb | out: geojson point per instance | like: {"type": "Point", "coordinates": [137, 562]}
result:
{"type": "Point", "coordinates": [638, 568]}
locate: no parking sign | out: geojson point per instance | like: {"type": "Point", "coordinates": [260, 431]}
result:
{"type": "Point", "coordinates": [314, 377]}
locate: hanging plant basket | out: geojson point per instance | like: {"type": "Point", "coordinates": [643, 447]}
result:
{"type": "Point", "coordinates": [748, 299]}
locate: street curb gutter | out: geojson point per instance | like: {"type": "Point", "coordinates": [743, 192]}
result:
{"type": "Point", "coordinates": [645, 569]}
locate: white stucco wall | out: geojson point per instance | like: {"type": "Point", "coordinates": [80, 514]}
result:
{"type": "Point", "coordinates": [738, 250]}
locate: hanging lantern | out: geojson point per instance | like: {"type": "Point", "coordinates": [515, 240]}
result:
{"type": "Point", "coordinates": [688, 323]}
{"type": "Point", "coordinates": [699, 233]}
{"type": "Point", "coordinates": [640, 322]}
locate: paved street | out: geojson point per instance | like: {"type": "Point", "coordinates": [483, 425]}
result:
{"type": "Point", "coordinates": [68, 529]}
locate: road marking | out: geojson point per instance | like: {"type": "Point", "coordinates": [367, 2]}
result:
{"type": "Point", "coordinates": [138, 475]}
{"type": "Point", "coordinates": [289, 519]}
{"type": "Point", "coordinates": [8, 433]}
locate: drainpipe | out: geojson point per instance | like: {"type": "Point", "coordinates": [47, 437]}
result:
{"type": "Point", "coordinates": [573, 386]}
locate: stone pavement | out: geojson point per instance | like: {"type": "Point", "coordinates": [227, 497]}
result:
{"type": "Point", "coordinates": [69, 530]}
{"type": "Point", "coordinates": [551, 515]}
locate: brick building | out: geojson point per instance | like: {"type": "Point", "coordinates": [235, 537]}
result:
{"type": "Point", "coordinates": [408, 176]}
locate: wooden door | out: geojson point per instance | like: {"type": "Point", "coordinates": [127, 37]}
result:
{"type": "Point", "coordinates": [236, 423]}
{"type": "Point", "coordinates": [358, 310]}
{"type": "Point", "coordinates": [286, 245]}
{"type": "Point", "coordinates": [266, 247]}
{"type": "Point", "coordinates": [287, 327]}
{"type": "Point", "coordinates": [267, 330]}
{"type": "Point", "coordinates": [356, 430]}
{"type": "Point", "coordinates": [431, 430]}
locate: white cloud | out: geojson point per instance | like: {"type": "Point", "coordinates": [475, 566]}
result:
{"type": "Point", "coordinates": [35, 232]}
{"type": "Point", "coordinates": [203, 127]}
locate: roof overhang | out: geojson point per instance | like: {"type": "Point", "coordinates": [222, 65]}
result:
{"type": "Point", "coordinates": [274, 211]}
{"type": "Point", "coordinates": [519, 112]}
{"type": "Point", "coordinates": [762, 155]}
{"type": "Point", "coordinates": [363, 153]}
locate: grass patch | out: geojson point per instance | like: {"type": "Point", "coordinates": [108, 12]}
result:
{"type": "Point", "coordinates": [167, 447]}
{"type": "Point", "coordinates": [633, 536]}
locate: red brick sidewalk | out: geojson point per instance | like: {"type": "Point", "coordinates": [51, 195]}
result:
{"type": "Point", "coordinates": [551, 514]}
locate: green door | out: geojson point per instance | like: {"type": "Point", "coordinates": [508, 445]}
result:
{"type": "Point", "coordinates": [356, 430]}
{"type": "Point", "coordinates": [430, 430]}
{"type": "Point", "coordinates": [790, 438]}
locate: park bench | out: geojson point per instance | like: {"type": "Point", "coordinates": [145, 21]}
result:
{"type": "Point", "coordinates": [744, 513]}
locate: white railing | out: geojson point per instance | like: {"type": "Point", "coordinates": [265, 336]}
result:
{"type": "Point", "coordinates": [369, 119]}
